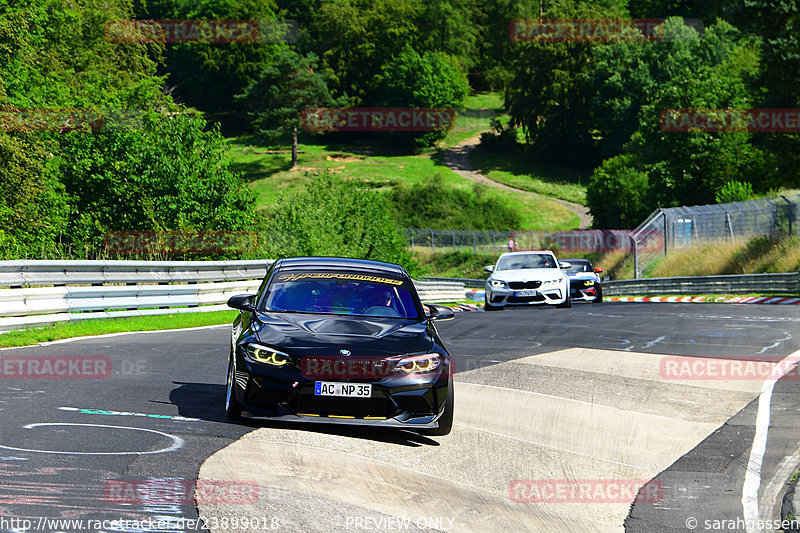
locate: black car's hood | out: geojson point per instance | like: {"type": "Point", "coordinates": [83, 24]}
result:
{"type": "Point", "coordinates": [311, 334]}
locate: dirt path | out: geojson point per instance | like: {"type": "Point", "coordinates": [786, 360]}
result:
{"type": "Point", "coordinates": [457, 160]}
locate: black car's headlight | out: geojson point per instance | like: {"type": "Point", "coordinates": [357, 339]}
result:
{"type": "Point", "coordinates": [588, 283]}
{"type": "Point", "coordinates": [420, 363]}
{"type": "Point", "coordinates": [264, 354]}
{"type": "Point", "coordinates": [497, 283]}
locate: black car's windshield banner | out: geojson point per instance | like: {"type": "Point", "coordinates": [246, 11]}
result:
{"type": "Point", "coordinates": [295, 276]}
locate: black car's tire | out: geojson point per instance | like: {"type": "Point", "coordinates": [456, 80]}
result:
{"type": "Point", "coordinates": [232, 407]}
{"type": "Point", "coordinates": [446, 420]}
{"type": "Point", "coordinates": [566, 304]}
{"type": "Point", "coordinates": [599, 298]}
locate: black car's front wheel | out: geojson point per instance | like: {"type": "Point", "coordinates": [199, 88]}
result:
{"type": "Point", "coordinates": [446, 420]}
{"type": "Point", "coordinates": [598, 299]}
{"type": "Point", "coordinates": [232, 407]}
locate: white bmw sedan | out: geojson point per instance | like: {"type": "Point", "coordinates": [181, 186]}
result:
{"type": "Point", "coordinates": [527, 278]}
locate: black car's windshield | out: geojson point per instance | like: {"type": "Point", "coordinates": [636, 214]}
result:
{"type": "Point", "coordinates": [578, 267]}
{"type": "Point", "coordinates": [341, 293]}
{"type": "Point", "coordinates": [518, 261]}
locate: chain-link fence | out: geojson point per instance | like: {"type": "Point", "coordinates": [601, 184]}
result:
{"type": "Point", "coordinates": [676, 227]}
{"type": "Point", "coordinates": [496, 242]}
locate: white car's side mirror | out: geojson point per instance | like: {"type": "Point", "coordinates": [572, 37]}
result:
{"type": "Point", "coordinates": [488, 268]}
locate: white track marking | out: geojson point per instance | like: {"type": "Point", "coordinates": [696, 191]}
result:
{"type": "Point", "coordinates": [752, 476]}
{"type": "Point", "coordinates": [177, 442]}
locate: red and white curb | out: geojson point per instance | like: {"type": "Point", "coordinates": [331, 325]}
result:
{"type": "Point", "coordinates": [708, 299]}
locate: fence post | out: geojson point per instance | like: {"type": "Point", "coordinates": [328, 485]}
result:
{"type": "Point", "coordinates": [494, 240]}
{"type": "Point", "coordinates": [433, 244]}
{"type": "Point", "coordinates": [635, 258]}
{"type": "Point", "coordinates": [474, 244]}
{"type": "Point", "coordinates": [790, 213]}
{"type": "Point", "coordinates": [412, 240]}
{"type": "Point", "coordinates": [453, 233]}
{"type": "Point", "coordinates": [730, 224]}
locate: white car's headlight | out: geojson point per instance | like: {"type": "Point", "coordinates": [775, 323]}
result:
{"type": "Point", "coordinates": [265, 354]}
{"type": "Point", "coordinates": [549, 282]}
{"type": "Point", "coordinates": [497, 283]}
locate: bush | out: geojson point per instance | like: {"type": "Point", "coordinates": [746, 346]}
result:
{"type": "Point", "coordinates": [735, 191]}
{"type": "Point", "coordinates": [617, 194]}
{"type": "Point", "coordinates": [336, 217]}
{"type": "Point", "coordinates": [432, 204]}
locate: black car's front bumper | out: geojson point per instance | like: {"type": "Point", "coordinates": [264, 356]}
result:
{"type": "Point", "coordinates": [285, 394]}
{"type": "Point", "coordinates": [580, 289]}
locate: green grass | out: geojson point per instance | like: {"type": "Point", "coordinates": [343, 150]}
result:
{"type": "Point", "coordinates": [269, 176]}
{"type": "Point", "coordinates": [102, 326]}
{"type": "Point", "coordinates": [519, 170]}
{"type": "Point", "coordinates": [474, 117]}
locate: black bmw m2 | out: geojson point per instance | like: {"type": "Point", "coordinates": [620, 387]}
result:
{"type": "Point", "coordinates": [342, 341]}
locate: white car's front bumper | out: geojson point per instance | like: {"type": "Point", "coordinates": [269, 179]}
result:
{"type": "Point", "coordinates": [502, 296]}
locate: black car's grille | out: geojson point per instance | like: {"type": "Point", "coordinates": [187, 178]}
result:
{"type": "Point", "coordinates": [518, 285]}
{"type": "Point", "coordinates": [333, 405]}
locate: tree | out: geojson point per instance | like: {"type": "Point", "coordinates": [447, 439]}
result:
{"type": "Point", "coordinates": [167, 174]}
{"type": "Point", "coordinates": [550, 92]}
{"type": "Point", "coordinates": [207, 75]}
{"type": "Point", "coordinates": [617, 194]}
{"type": "Point", "coordinates": [427, 81]}
{"type": "Point", "coordinates": [681, 71]}
{"type": "Point", "coordinates": [283, 91]}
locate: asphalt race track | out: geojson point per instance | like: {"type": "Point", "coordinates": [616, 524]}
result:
{"type": "Point", "coordinates": [611, 417]}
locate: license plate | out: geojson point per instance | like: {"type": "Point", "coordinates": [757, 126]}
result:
{"type": "Point", "coordinates": [523, 294]}
{"type": "Point", "coordinates": [349, 390]}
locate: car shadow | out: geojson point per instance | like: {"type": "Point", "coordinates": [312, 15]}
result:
{"type": "Point", "coordinates": [206, 402]}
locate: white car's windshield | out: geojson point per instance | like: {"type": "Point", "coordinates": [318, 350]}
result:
{"type": "Point", "coordinates": [520, 261]}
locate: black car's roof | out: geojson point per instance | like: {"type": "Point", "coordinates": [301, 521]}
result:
{"type": "Point", "coordinates": [340, 263]}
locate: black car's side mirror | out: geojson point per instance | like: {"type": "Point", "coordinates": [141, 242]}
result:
{"type": "Point", "coordinates": [242, 302]}
{"type": "Point", "coordinates": [439, 312]}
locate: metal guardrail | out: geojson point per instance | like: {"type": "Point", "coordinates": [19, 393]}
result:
{"type": "Point", "coordinates": [728, 284]}
{"type": "Point", "coordinates": [690, 285]}
{"type": "Point", "coordinates": [467, 282]}
{"type": "Point", "coordinates": [45, 292]}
